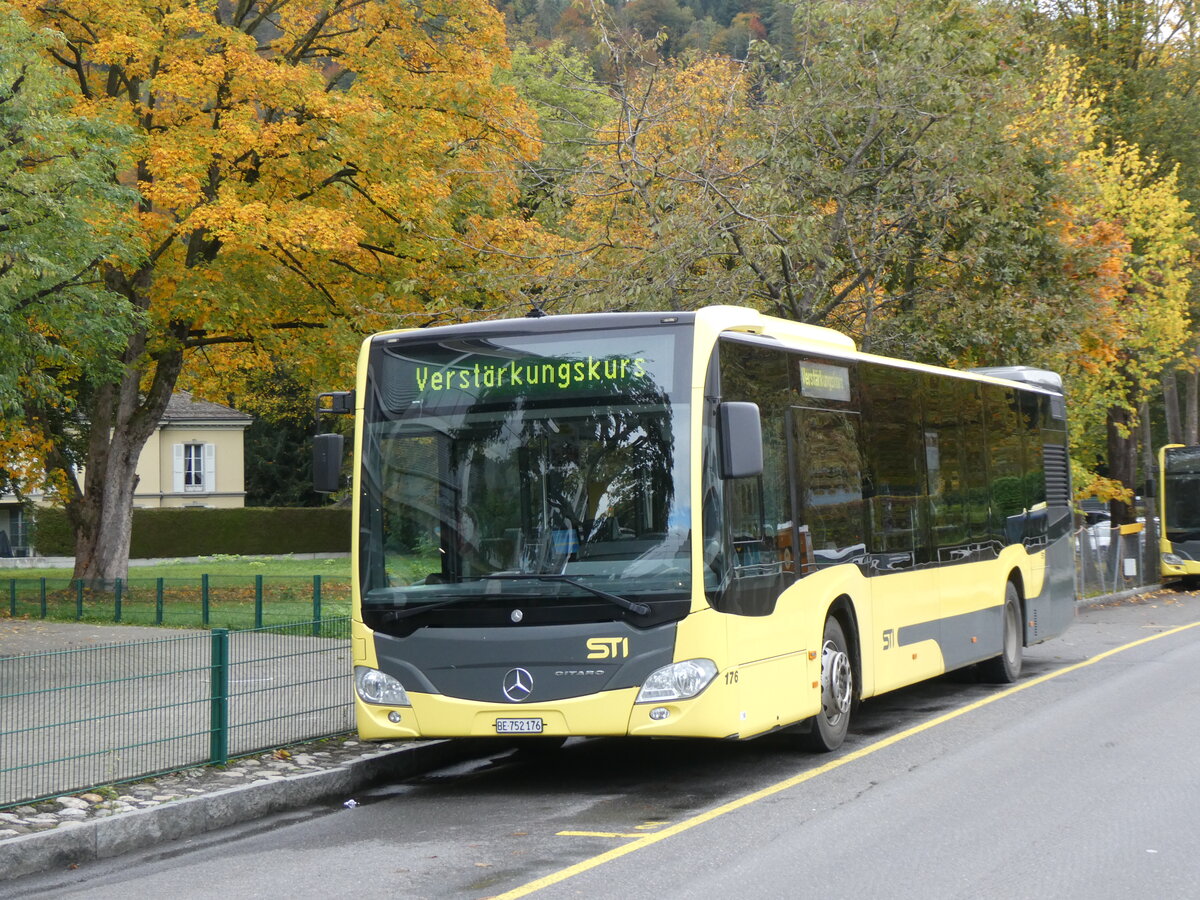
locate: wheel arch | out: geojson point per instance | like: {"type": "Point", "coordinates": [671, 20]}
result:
{"type": "Point", "coordinates": [1017, 580]}
{"type": "Point", "coordinates": [843, 610]}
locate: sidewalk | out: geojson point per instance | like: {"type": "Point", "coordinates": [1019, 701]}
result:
{"type": "Point", "coordinates": [201, 800]}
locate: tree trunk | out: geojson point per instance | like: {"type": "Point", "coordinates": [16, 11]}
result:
{"type": "Point", "coordinates": [103, 517]}
{"type": "Point", "coordinates": [121, 419]}
{"type": "Point", "coordinates": [1150, 549]}
{"type": "Point", "coordinates": [1122, 461]}
{"type": "Point", "coordinates": [1191, 406]}
{"type": "Point", "coordinates": [1170, 388]}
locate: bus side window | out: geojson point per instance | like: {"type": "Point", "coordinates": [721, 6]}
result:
{"type": "Point", "coordinates": [828, 473]}
{"type": "Point", "coordinates": [976, 480]}
{"type": "Point", "coordinates": [947, 403]}
{"type": "Point", "coordinates": [1007, 468]}
{"type": "Point", "coordinates": [895, 442]}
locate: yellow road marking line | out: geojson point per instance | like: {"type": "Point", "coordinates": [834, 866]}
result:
{"type": "Point", "coordinates": [606, 834]}
{"type": "Point", "coordinates": [646, 840]}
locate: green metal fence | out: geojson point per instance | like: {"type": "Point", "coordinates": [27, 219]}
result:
{"type": "Point", "coordinates": [76, 719]}
{"type": "Point", "coordinates": [222, 601]}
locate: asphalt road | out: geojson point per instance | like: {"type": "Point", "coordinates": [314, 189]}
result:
{"type": "Point", "coordinates": [1080, 781]}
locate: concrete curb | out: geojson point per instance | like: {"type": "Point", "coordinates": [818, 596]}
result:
{"type": "Point", "coordinates": [103, 838]}
{"type": "Point", "coordinates": [1100, 600]}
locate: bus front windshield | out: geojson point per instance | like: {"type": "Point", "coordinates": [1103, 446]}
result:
{"type": "Point", "coordinates": [1181, 517]}
{"type": "Point", "coordinates": [548, 469]}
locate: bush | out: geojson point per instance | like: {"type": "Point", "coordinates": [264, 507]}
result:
{"type": "Point", "coordinates": [51, 533]}
{"type": "Point", "coordinates": [249, 531]}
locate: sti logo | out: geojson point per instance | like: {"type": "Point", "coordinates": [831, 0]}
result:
{"type": "Point", "coordinates": [608, 648]}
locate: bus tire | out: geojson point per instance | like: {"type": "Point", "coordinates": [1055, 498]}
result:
{"type": "Point", "coordinates": [830, 725]}
{"type": "Point", "coordinates": [1006, 668]}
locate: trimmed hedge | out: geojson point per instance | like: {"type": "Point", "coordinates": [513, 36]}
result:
{"type": "Point", "coordinates": [249, 531]}
{"type": "Point", "coordinates": [50, 534]}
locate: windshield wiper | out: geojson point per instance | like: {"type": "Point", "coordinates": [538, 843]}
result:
{"type": "Point", "coordinates": [639, 609]}
{"type": "Point", "coordinates": [411, 609]}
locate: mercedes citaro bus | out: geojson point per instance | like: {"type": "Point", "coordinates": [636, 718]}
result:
{"type": "Point", "coordinates": [1179, 500]}
{"type": "Point", "coordinates": [706, 524]}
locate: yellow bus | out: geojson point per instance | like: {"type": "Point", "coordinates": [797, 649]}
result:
{"type": "Point", "coordinates": [710, 524]}
{"type": "Point", "coordinates": [1179, 501]}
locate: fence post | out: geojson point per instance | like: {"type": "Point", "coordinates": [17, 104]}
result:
{"type": "Point", "coordinates": [218, 751]}
{"type": "Point", "coordinates": [316, 629]}
{"type": "Point", "coordinates": [43, 601]}
{"type": "Point", "coordinates": [79, 599]}
{"type": "Point", "coordinates": [117, 601]}
{"type": "Point", "coordinates": [158, 602]}
{"type": "Point", "coordinates": [204, 600]}
{"type": "Point", "coordinates": [258, 601]}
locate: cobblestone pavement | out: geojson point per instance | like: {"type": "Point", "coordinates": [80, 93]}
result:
{"type": "Point", "coordinates": [111, 801]}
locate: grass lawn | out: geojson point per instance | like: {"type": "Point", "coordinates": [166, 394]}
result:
{"type": "Point", "coordinates": [232, 598]}
{"type": "Point", "coordinates": [210, 565]}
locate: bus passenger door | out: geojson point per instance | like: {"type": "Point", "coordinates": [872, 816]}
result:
{"type": "Point", "coordinates": [905, 600]}
{"type": "Point", "coordinates": [827, 478]}
{"type": "Point", "coordinates": [957, 475]}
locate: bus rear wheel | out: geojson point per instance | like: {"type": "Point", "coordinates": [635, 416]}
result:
{"type": "Point", "coordinates": [830, 725]}
{"type": "Point", "coordinates": [1006, 668]}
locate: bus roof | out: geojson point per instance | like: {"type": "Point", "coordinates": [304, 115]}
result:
{"type": "Point", "coordinates": [1043, 378]}
{"type": "Point", "coordinates": [725, 319]}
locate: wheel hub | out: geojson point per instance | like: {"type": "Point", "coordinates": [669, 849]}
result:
{"type": "Point", "coordinates": [837, 682]}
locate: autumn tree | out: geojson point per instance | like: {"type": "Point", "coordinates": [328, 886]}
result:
{"type": "Point", "coordinates": [919, 177]}
{"type": "Point", "coordinates": [1143, 59]}
{"type": "Point", "coordinates": [308, 171]}
{"type": "Point", "coordinates": [1150, 316]}
{"type": "Point", "coordinates": [871, 185]}
{"type": "Point", "coordinates": [61, 215]}
{"type": "Point", "coordinates": [1131, 275]}
{"type": "Point", "coordinates": [560, 87]}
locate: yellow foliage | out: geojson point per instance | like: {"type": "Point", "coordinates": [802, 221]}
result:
{"type": "Point", "coordinates": [656, 162]}
{"type": "Point", "coordinates": [23, 451]}
{"type": "Point", "coordinates": [1105, 489]}
{"type": "Point", "coordinates": [1140, 238]}
{"type": "Point", "coordinates": [328, 172]}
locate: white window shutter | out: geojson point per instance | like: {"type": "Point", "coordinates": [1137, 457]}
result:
{"type": "Point", "coordinates": [177, 469]}
{"type": "Point", "coordinates": [210, 468]}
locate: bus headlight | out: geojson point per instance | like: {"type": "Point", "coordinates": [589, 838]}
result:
{"type": "Point", "coordinates": [374, 686]}
{"type": "Point", "coordinates": [1172, 559]}
{"type": "Point", "coordinates": [678, 681]}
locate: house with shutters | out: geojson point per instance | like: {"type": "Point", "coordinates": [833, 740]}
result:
{"type": "Point", "coordinates": [194, 458]}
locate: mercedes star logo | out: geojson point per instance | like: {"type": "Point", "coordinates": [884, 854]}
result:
{"type": "Point", "coordinates": [518, 684]}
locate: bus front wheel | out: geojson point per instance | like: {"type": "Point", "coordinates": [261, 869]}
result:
{"type": "Point", "coordinates": [1006, 668]}
{"type": "Point", "coordinates": [829, 726]}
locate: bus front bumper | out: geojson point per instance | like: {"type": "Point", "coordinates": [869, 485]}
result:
{"type": "Point", "coordinates": [604, 714]}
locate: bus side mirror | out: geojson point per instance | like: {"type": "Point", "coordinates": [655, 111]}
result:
{"type": "Point", "coordinates": [327, 463]}
{"type": "Point", "coordinates": [740, 433]}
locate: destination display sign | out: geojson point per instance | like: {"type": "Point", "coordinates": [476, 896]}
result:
{"type": "Point", "coordinates": [637, 365]}
{"type": "Point", "coordinates": [824, 382]}
{"type": "Point", "coordinates": [562, 375]}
